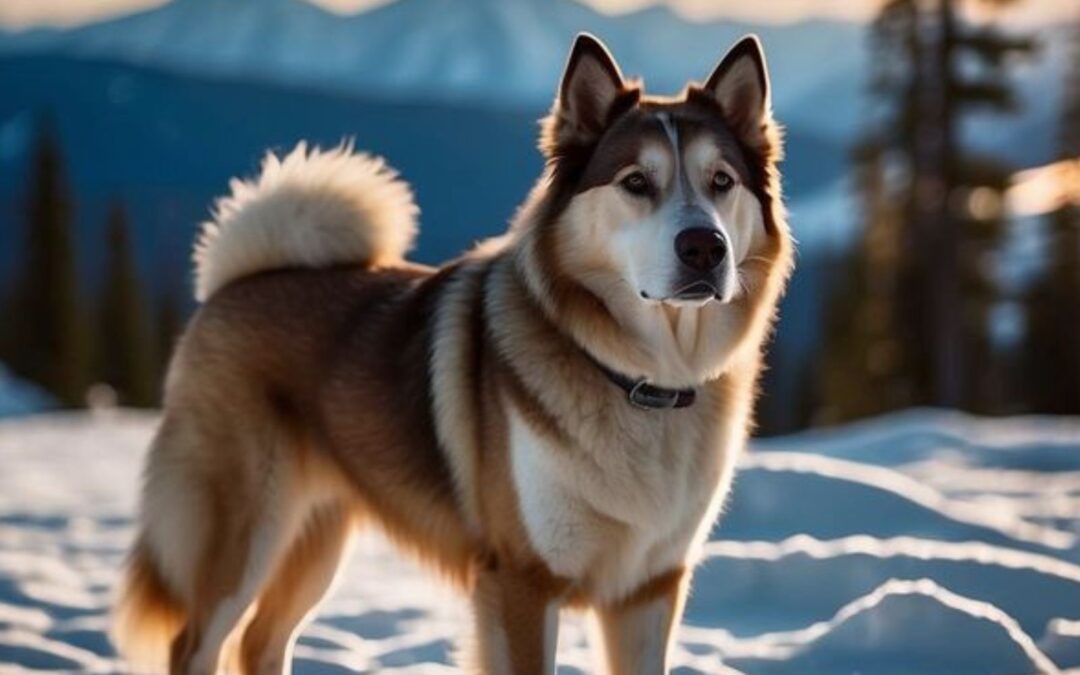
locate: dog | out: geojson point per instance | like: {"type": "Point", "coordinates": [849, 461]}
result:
{"type": "Point", "coordinates": [550, 420]}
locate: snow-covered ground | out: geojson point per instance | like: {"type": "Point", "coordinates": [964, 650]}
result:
{"type": "Point", "coordinates": [18, 397]}
{"type": "Point", "coordinates": [925, 542]}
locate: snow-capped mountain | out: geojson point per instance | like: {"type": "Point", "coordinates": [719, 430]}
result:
{"type": "Point", "coordinates": [503, 52]}
{"type": "Point", "coordinates": [508, 52]}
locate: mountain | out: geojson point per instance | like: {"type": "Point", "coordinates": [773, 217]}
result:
{"type": "Point", "coordinates": [167, 144]}
{"type": "Point", "coordinates": [506, 52]}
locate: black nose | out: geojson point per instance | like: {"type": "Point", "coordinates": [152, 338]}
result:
{"type": "Point", "coordinates": [700, 248]}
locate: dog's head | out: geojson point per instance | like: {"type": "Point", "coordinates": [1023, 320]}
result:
{"type": "Point", "coordinates": [670, 194]}
{"type": "Point", "coordinates": [661, 205]}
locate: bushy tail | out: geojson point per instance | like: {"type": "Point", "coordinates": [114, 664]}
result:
{"type": "Point", "coordinates": [310, 208]}
{"type": "Point", "coordinates": [146, 616]}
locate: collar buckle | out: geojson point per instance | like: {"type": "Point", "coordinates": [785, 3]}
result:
{"type": "Point", "coordinates": [647, 397]}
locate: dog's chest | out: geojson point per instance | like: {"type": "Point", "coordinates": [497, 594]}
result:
{"type": "Point", "coordinates": [626, 508]}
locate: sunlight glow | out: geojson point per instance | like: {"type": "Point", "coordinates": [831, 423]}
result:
{"type": "Point", "coordinates": [18, 14]}
{"type": "Point", "coordinates": [347, 7]}
{"type": "Point", "coordinates": [1045, 189]}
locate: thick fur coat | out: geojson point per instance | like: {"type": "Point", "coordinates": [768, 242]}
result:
{"type": "Point", "coordinates": [469, 411]}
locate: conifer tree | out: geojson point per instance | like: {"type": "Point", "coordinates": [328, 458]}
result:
{"type": "Point", "coordinates": [1052, 349]}
{"type": "Point", "coordinates": [48, 341]}
{"type": "Point", "coordinates": [925, 332]}
{"type": "Point", "coordinates": [863, 372]}
{"type": "Point", "coordinates": [125, 344]}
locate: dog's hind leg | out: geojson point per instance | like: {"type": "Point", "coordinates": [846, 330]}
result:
{"type": "Point", "coordinates": [255, 513]}
{"type": "Point", "coordinates": [298, 584]}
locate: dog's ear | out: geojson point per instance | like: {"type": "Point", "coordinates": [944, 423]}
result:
{"type": "Point", "coordinates": [591, 84]}
{"type": "Point", "coordinates": [740, 85]}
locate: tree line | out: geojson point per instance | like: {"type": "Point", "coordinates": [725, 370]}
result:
{"type": "Point", "coordinates": [68, 336]}
{"type": "Point", "coordinates": [924, 312]}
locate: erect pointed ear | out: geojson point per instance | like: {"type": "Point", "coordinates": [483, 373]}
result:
{"type": "Point", "coordinates": [591, 84]}
{"type": "Point", "coordinates": [740, 84]}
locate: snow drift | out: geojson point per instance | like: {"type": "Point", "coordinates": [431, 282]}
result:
{"type": "Point", "coordinates": [922, 542]}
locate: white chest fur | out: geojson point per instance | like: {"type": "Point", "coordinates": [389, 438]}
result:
{"type": "Point", "coordinates": [614, 516]}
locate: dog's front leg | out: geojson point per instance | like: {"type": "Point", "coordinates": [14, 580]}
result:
{"type": "Point", "coordinates": [637, 631]}
{"type": "Point", "coordinates": [516, 611]}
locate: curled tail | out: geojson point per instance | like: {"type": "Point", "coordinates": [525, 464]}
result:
{"type": "Point", "coordinates": [310, 208]}
{"type": "Point", "coordinates": [146, 616]}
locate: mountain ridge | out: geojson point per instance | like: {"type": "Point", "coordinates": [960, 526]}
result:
{"type": "Point", "coordinates": [502, 53]}
{"type": "Point", "coordinates": [505, 53]}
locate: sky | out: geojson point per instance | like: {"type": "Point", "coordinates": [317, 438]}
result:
{"type": "Point", "coordinates": [16, 14]}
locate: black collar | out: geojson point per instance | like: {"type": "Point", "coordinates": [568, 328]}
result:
{"type": "Point", "coordinates": [647, 396]}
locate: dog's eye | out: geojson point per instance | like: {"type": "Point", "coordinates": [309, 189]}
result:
{"type": "Point", "coordinates": [636, 184]}
{"type": "Point", "coordinates": [722, 181]}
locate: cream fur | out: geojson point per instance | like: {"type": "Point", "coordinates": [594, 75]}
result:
{"type": "Point", "coordinates": [637, 640]}
{"type": "Point", "coordinates": [562, 491]}
{"type": "Point", "coordinates": [310, 208]}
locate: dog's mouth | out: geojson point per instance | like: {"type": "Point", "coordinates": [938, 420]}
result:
{"type": "Point", "coordinates": [695, 293]}
{"type": "Point", "coordinates": [698, 291]}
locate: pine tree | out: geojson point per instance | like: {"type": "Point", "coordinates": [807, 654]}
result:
{"type": "Point", "coordinates": [125, 345]}
{"type": "Point", "coordinates": [1052, 350]}
{"type": "Point", "coordinates": [956, 222]}
{"type": "Point", "coordinates": [926, 332]}
{"type": "Point", "coordinates": [870, 361]}
{"type": "Point", "coordinates": [862, 374]}
{"type": "Point", "coordinates": [48, 344]}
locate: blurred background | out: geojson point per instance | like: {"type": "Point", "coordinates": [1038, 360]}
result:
{"type": "Point", "coordinates": [933, 180]}
{"type": "Point", "coordinates": [932, 171]}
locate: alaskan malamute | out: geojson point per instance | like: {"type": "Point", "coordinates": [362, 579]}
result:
{"type": "Point", "coordinates": [550, 421]}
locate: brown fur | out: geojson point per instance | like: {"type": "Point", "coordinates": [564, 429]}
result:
{"type": "Point", "coordinates": [305, 399]}
{"type": "Point", "coordinates": [160, 616]}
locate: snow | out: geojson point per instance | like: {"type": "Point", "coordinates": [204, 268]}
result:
{"type": "Point", "coordinates": [925, 541]}
{"type": "Point", "coordinates": [16, 396]}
